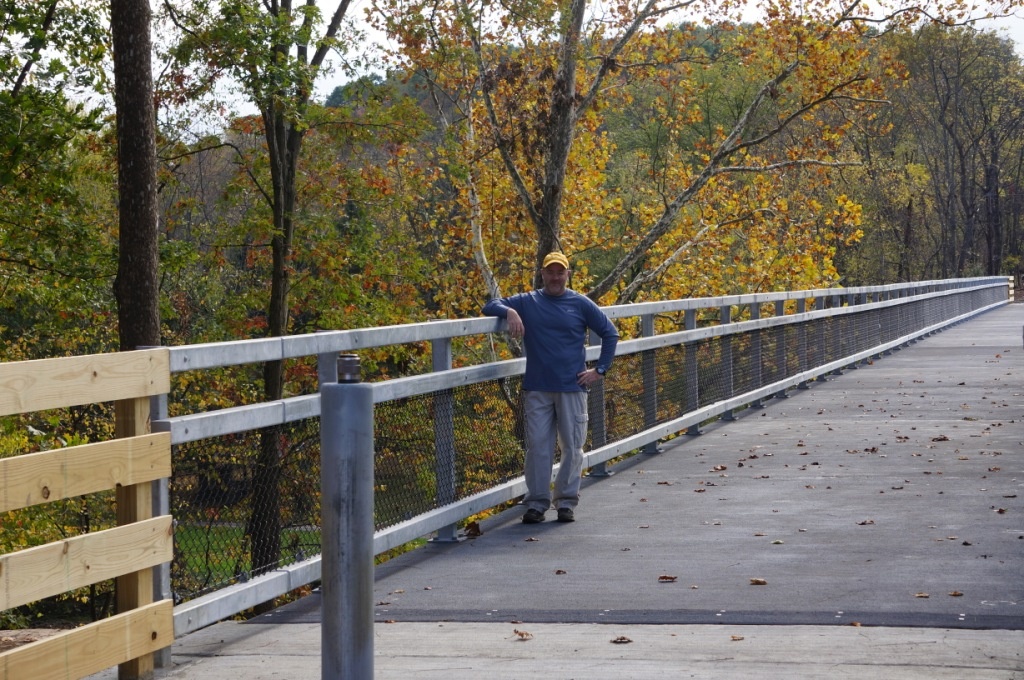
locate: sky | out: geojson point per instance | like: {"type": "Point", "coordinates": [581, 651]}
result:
{"type": "Point", "coordinates": [1011, 27]}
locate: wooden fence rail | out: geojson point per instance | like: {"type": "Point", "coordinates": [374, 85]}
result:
{"type": "Point", "coordinates": [128, 464]}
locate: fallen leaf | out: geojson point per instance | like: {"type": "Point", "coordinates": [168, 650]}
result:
{"type": "Point", "coordinates": [855, 624]}
{"type": "Point", "coordinates": [621, 640]}
{"type": "Point", "coordinates": [736, 638]}
{"type": "Point", "coordinates": [532, 539]}
{"type": "Point", "coordinates": [666, 483]}
{"type": "Point", "coordinates": [865, 522]}
{"type": "Point", "coordinates": [560, 572]}
{"type": "Point", "coordinates": [923, 596]}
{"type": "Point", "coordinates": [664, 578]}
{"type": "Point", "coordinates": [956, 593]}
{"type": "Point", "coordinates": [473, 530]}
{"type": "Point", "coordinates": [940, 438]}
{"type": "Point", "coordinates": [719, 468]}
{"type": "Point", "coordinates": [390, 621]}
{"type": "Point", "coordinates": [758, 582]}
{"type": "Point", "coordinates": [522, 634]}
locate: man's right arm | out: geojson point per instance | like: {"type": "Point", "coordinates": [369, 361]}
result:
{"type": "Point", "coordinates": [495, 307]}
{"type": "Point", "coordinates": [498, 307]}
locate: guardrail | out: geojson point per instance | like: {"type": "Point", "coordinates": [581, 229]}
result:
{"type": "Point", "coordinates": [129, 463]}
{"type": "Point", "coordinates": [759, 347]}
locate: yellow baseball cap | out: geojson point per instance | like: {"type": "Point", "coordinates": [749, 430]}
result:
{"type": "Point", "coordinates": [555, 258]}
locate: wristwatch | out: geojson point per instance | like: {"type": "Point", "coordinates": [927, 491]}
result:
{"type": "Point", "coordinates": [601, 370]}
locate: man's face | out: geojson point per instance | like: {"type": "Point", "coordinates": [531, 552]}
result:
{"type": "Point", "coordinates": [555, 278]}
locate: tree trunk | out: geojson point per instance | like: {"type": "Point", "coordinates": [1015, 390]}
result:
{"type": "Point", "coordinates": [284, 143]}
{"type": "Point", "coordinates": [283, 113]}
{"type": "Point", "coordinates": [993, 214]}
{"type": "Point", "coordinates": [563, 119]}
{"type": "Point", "coordinates": [136, 287]}
{"type": "Point", "coordinates": [907, 247]}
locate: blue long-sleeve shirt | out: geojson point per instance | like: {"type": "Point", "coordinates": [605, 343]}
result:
{"type": "Point", "coordinates": [555, 338]}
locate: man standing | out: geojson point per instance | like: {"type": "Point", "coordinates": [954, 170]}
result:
{"type": "Point", "coordinates": [553, 324]}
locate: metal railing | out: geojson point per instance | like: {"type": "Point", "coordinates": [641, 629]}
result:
{"type": "Point", "coordinates": [448, 444]}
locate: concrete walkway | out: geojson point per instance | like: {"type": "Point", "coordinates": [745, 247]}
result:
{"type": "Point", "coordinates": [871, 526]}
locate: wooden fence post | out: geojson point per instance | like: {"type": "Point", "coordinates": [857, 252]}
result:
{"type": "Point", "coordinates": [134, 504]}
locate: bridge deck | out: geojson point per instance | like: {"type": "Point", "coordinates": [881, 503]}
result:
{"type": "Point", "coordinates": [890, 496]}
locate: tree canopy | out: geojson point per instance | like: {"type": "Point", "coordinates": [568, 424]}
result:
{"type": "Point", "coordinates": [670, 149]}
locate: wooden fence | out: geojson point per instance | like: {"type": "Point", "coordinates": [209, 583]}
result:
{"type": "Point", "coordinates": [128, 552]}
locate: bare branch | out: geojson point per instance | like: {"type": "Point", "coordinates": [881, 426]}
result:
{"type": "Point", "coordinates": [772, 167]}
{"type": "Point", "coordinates": [37, 50]}
{"type": "Point", "coordinates": [650, 11]}
{"type": "Point", "coordinates": [510, 166]}
{"type": "Point", "coordinates": [332, 30]}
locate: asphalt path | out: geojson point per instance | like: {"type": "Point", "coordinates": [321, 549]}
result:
{"type": "Point", "coordinates": [890, 495]}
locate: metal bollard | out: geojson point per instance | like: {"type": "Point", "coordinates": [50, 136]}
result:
{"type": "Point", "coordinates": [347, 525]}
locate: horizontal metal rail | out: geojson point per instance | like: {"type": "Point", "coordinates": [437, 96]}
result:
{"type": "Point", "coordinates": [233, 353]}
{"type": "Point", "coordinates": [194, 427]}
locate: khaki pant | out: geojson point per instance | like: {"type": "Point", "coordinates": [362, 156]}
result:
{"type": "Point", "coordinates": [549, 414]}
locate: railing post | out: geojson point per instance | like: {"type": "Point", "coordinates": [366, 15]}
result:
{"type": "Point", "coordinates": [853, 299]}
{"type": "Point", "coordinates": [161, 506]}
{"type": "Point", "coordinates": [134, 503]}
{"type": "Point", "coordinates": [648, 368]}
{"type": "Point", "coordinates": [801, 343]}
{"type": "Point", "coordinates": [780, 349]}
{"type": "Point", "coordinates": [161, 496]}
{"type": "Point", "coordinates": [755, 353]}
{"type": "Point", "coordinates": [820, 335]}
{"type": "Point", "coordinates": [879, 316]}
{"type": "Point", "coordinates": [692, 384]}
{"type": "Point", "coordinates": [347, 525]}
{"type": "Point", "coordinates": [444, 439]}
{"type": "Point", "coordinates": [837, 333]}
{"type": "Point", "coordinates": [597, 422]}
{"type": "Point", "coordinates": [724, 318]}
